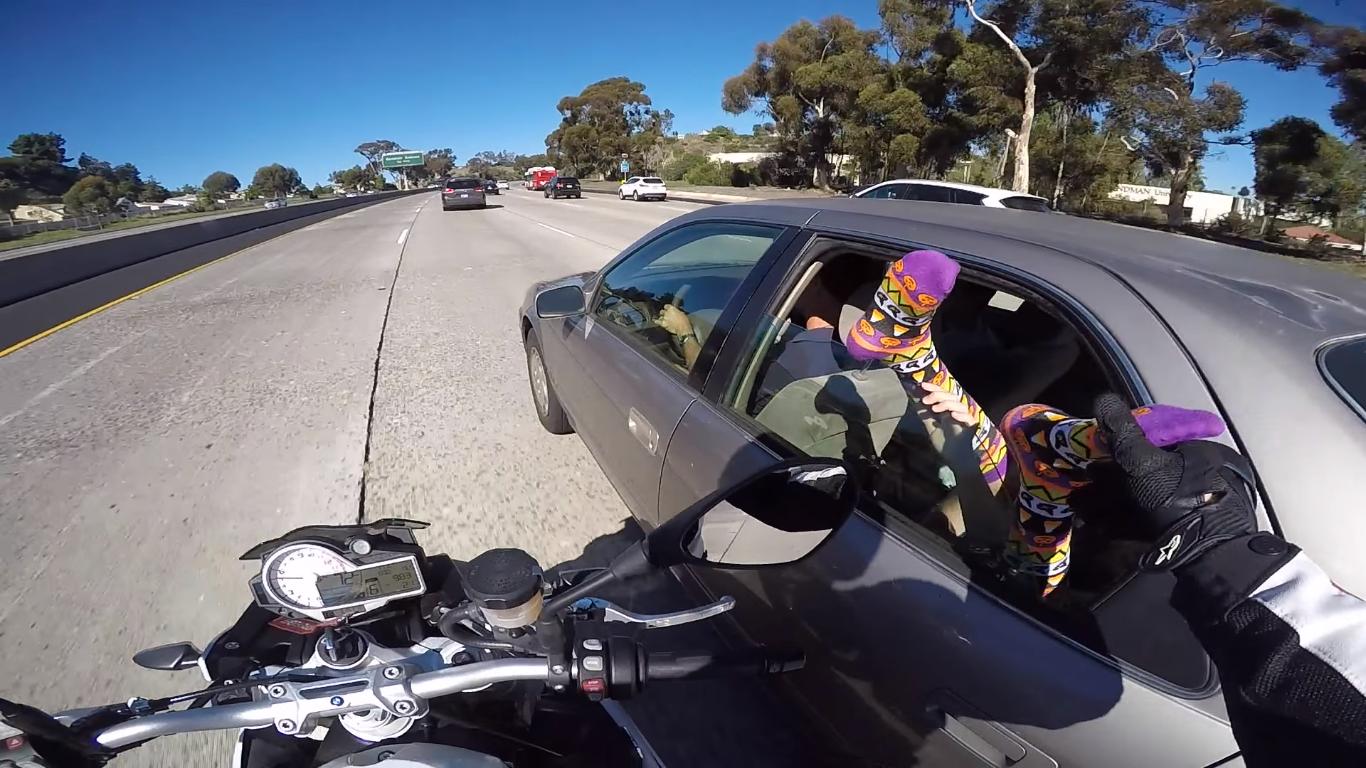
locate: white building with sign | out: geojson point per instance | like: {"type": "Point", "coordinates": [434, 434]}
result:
{"type": "Point", "coordinates": [1201, 207]}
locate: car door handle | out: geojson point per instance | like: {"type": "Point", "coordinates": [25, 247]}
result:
{"type": "Point", "coordinates": [644, 433]}
{"type": "Point", "coordinates": [981, 737]}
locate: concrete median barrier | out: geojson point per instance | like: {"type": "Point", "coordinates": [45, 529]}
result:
{"type": "Point", "coordinates": [28, 275]}
{"type": "Point", "coordinates": [41, 292]}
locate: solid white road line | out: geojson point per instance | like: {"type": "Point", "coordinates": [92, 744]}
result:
{"type": "Point", "coordinates": [80, 371]}
{"type": "Point", "coordinates": [554, 229]}
{"type": "Point", "coordinates": [403, 235]}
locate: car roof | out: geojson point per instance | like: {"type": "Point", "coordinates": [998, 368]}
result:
{"type": "Point", "coordinates": [1322, 301]}
{"type": "Point", "coordinates": [989, 191]}
{"type": "Point", "coordinates": [1254, 324]}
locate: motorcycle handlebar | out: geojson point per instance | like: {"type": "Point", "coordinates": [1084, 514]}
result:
{"type": "Point", "coordinates": [444, 682]}
{"type": "Point", "coordinates": [757, 661]}
{"type": "Point", "coordinates": [427, 685]}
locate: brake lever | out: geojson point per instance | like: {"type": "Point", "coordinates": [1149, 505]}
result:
{"type": "Point", "coordinates": [612, 612]}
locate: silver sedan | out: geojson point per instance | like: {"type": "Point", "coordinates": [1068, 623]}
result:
{"type": "Point", "coordinates": [704, 351]}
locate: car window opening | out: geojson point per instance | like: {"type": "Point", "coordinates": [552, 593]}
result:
{"type": "Point", "coordinates": [922, 473]}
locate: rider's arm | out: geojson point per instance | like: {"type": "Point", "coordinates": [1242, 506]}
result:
{"type": "Point", "coordinates": [1290, 647]}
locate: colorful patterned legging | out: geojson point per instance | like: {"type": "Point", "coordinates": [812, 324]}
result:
{"type": "Point", "coordinates": [896, 329]}
{"type": "Point", "coordinates": [1051, 449]}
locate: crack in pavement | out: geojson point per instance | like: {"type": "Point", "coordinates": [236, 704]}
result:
{"type": "Point", "coordinates": [374, 381]}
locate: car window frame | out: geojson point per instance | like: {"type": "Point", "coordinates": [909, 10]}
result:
{"type": "Point", "coordinates": [913, 186]}
{"type": "Point", "coordinates": [897, 188]}
{"type": "Point", "coordinates": [1096, 341]}
{"type": "Point", "coordinates": [1352, 400]}
{"type": "Point", "coordinates": [700, 374]}
{"type": "Point", "coordinates": [1032, 198]}
{"type": "Point", "coordinates": [976, 198]}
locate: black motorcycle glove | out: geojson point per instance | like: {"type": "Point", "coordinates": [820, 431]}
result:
{"type": "Point", "coordinates": [58, 745]}
{"type": "Point", "coordinates": [1189, 499]}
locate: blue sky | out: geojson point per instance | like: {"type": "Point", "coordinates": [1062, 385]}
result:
{"type": "Point", "coordinates": [183, 89]}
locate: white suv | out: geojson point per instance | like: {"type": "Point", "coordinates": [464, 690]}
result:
{"type": "Point", "coordinates": [954, 192]}
{"type": "Point", "coordinates": [644, 188]}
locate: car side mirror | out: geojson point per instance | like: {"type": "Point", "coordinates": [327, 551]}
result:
{"type": "Point", "coordinates": [170, 658]}
{"type": "Point", "coordinates": [560, 302]}
{"type": "Point", "coordinates": [775, 517]}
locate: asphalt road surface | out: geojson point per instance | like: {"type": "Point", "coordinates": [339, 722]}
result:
{"type": "Point", "coordinates": [368, 365]}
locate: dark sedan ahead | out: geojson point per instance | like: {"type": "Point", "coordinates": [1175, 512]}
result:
{"type": "Point", "coordinates": [678, 365]}
{"type": "Point", "coordinates": [563, 186]}
{"type": "Point", "coordinates": [464, 192]}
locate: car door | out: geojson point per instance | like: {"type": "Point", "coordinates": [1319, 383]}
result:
{"type": "Point", "coordinates": [631, 379]}
{"type": "Point", "coordinates": [914, 655]}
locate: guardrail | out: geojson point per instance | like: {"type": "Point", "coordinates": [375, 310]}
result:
{"type": "Point", "coordinates": [43, 290]}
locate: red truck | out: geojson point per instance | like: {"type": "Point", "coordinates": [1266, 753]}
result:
{"type": "Point", "coordinates": [537, 177]}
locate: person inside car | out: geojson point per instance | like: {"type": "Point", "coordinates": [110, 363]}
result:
{"type": "Point", "coordinates": [812, 346]}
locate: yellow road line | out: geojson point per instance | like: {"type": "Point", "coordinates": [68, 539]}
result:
{"type": "Point", "coordinates": [103, 307]}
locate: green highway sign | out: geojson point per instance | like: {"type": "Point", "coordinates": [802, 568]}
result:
{"type": "Point", "coordinates": [400, 159]}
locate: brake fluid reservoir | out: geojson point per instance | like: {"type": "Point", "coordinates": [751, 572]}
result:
{"type": "Point", "coordinates": [506, 585]}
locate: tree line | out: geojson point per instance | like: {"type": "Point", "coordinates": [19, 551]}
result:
{"type": "Point", "coordinates": [1062, 98]}
{"type": "Point", "coordinates": [38, 170]}
{"type": "Point", "coordinates": [1132, 79]}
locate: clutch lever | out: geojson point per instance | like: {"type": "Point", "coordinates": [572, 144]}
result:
{"type": "Point", "coordinates": [612, 612]}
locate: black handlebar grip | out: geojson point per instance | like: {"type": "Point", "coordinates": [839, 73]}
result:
{"type": "Point", "coordinates": [756, 661]}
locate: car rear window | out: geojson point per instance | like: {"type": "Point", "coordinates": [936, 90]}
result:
{"type": "Point", "coordinates": [1344, 365]}
{"type": "Point", "coordinates": [463, 184]}
{"type": "Point", "coordinates": [1026, 204]}
{"type": "Point", "coordinates": [653, 180]}
{"type": "Point", "coordinates": [568, 180]}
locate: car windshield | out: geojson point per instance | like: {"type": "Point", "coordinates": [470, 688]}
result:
{"type": "Point", "coordinates": [1344, 365]}
{"type": "Point", "coordinates": [653, 180]}
{"type": "Point", "coordinates": [463, 184]}
{"type": "Point", "coordinates": [1035, 204]}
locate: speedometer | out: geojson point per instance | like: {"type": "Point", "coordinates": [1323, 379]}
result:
{"type": "Point", "coordinates": [313, 580]}
{"type": "Point", "coordinates": [291, 573]}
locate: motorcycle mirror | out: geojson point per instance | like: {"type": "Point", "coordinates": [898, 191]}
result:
{"type": "Point", "coordinates": [774, 517]}
{"type": "Point", "coordinates": [170, 658]}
